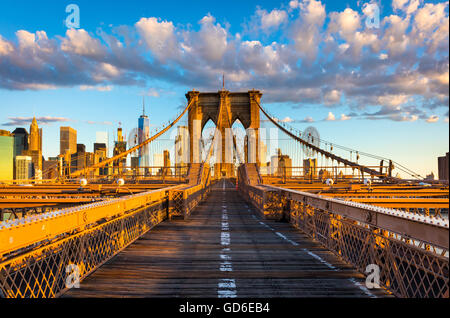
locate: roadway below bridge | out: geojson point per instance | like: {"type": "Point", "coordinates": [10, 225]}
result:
{"type": "Point", "coordinates": [225, 249]}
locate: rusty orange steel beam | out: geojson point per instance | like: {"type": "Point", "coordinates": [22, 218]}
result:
{"type": "Point", "coordinates": [361, 187]}
{"type": "Point", "coordinates": [33, 229]}
{"type": "Point", "coordinates": [131, 150]}
{"type": "Point", "coordinates": [62, 189]}
{"type": "Point", "coordinates": [431, 230]}
{"type": "Point", "coordinates": [385, 194]}
{"type": "Point", "coordinates": [436, 203]}
{"type": "Point", "coordinates": [29, 203]}
{"type": "Point", "coordinates": [71, 189]}
{"type": "Point", "coordinates": [78, 189]}
{"type": "Point", "coordinates": [25, 196]}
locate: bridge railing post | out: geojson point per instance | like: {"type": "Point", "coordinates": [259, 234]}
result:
{"type": "Point", "coordinates": [403, 263]}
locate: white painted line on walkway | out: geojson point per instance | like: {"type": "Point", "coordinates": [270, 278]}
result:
{"type": "Point", "coordinates": [363, 288]}
{"type": "Point", "coordinates": [317, 257]}
{"type": "Point", "coordinates": [225, 238]}
{"type": "Point", "coordinates": [285, 238]}
{"type": "Point", "coordinates": [227, 283]}
{"type": "Point", "coordinates": [320, 259]}
{"type": "Point", "coordinates": [226, 286]}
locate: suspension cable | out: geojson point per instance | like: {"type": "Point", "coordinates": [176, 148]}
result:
{"type": "Point", "coordinates": [131, 150]}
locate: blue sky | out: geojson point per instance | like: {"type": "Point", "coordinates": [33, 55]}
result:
{"type": "Point", "coordinates": [381, 90]}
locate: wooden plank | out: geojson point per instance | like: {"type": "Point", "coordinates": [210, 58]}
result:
{"type": "Point", "coordinates": [183, 259]}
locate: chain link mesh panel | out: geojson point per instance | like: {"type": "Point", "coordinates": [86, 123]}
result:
{"type": "Point", "coordinates": [405, 269]}
{"type": "Point", "coordinates": [42, 273]}
{"type": "Point", "coordinates": [408, 268]}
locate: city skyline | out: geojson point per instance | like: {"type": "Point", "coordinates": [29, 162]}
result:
{"type": "Point", "coordinates": [378, 94]}
{"type": "Point", "coordinates": [225, 150]}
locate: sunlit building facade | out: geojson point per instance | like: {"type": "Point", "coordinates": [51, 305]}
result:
{"type": "Point", "coordinates": [68, 140]}
{"type": "Point", "coordinates": [144, 134]}
{"type": "Point", "coordinates": [181, 150]}
{"type": "Point", "coordinates": [24, 167]}
{"type": "Point", "coordinates": [20, 141]}
{"type": "Point", "coordinates": [7, 155]}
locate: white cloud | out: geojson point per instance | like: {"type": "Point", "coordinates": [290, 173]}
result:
{"type": "Point", "coordinates": [294, 4]}
{"type": "Point", "coordinates": [287, 120]}
{"type": "Point", "coordinates": [413, 5]}
{"type": "Point", "coordinates": [345, 23]}
{"type": "Point", "coordinates": [432, 119]}
{"type": "Point", "coordinates": [311, 63]}
{"type": "Point", "coordinates": [5, 47]}
{"type": "Point", "coordinates": [398, 4]}
{"type": "Point", "coordinates": [106, 123]}
{"type": "Point", "coordinates": [79, 42]}
{"type": "Point", "coordinates": [431, 26]}
{"type": "Point", "coordinates": [332, 97]}
{"type": "Point", "coordinates": [345, 117]}
{"type": "Point", "coordinates": [159, 36]}
{"type": "Point", "coordinates": [272, 19]}
{"type": "Point", "coordinates": [105, 72]}
{"type": "Point", "coordinates": [404, 117]}
{"type": "Point", "coordinates": [430, 16]}
{"type": "Point", "coordinates": [264, 60]}
{"type": "Point", "coordinates": [107, 88]}
{"type": "Point", "coordinates": [395, 38]}
{"type": "Point", "coordinates": [407, 6]}
{"type": "Point", "coordinates": [306, 30]}
{"type": "Point", "coordinates": [443, 78]}
{"type": "Point", "coordinates": [393, 100]}
{"type": "Point", "coordinates": [152, 92]}
{"type": "Point", "coordinates": [313, 11]}
{"type": "Point", "coordinates": [343, 47]}
{"type": "Point", "coordinates": [25, 39]}
{"type": "Point", "coordinates": [36, 86]}
{"type": "Point", "coordinates": [44, 120]}
{"type": "Point", "coordinates": [330, 117]}
{"type": "Point", "coordinates": [211, 41]}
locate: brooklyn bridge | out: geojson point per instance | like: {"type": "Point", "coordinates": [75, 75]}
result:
{"type": "Point", "coordinates": [316, 220]}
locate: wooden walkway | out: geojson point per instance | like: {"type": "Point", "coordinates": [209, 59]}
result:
{"type": "Point", "coordinates": [224, 250]}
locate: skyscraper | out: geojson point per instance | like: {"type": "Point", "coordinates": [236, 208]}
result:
{"type": "Point", "coordinates": [20, 141]}
{"type": "Point", "coordinates": [181, 150]}
{"type": "Point", "coordinates": [263, 157]}
{"type": "Point", "coordinates": [50, 168]}
{"type": "Point", "coordinates": [24, 167]}
{"type": "Point", "coordinates": [35, 137]}
{"type": "Point", "coordinates": [35, 146]}
{"type": "Point", "coordinates": [144, 134]}
{"type": "Point", "coordinates": [78, 159]}
{"type": "Point", "coordinates": [443, 167]}
{"type": "Point", "coordinates": [102, 137]}
{"type": "Point", "coordinates": [68, 140]}
{"type": "Point", "coordinates": [120, 146]}
{"type": "Point", "coordinates": [158, 163]}
{"type": "Point", "coordinates": [167, 170]}
{"type": "Point", "coordinates": [7, 155]}
{"type": "Point", "coordinates": [99, 156]}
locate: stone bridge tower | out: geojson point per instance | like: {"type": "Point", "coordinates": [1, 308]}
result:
{"type": "Point", "coordinates": [235, 105]}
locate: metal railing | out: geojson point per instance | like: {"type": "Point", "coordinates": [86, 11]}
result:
{"type": "Point", "coordinates": [36, 251]}
{"type": "Point", "coordinates": [411, 251]}
{"type": "Point", "coordinates": [183, 200]}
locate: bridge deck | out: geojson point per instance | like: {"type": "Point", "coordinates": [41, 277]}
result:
{"type": "Point", "coordinates": [224, 250]}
